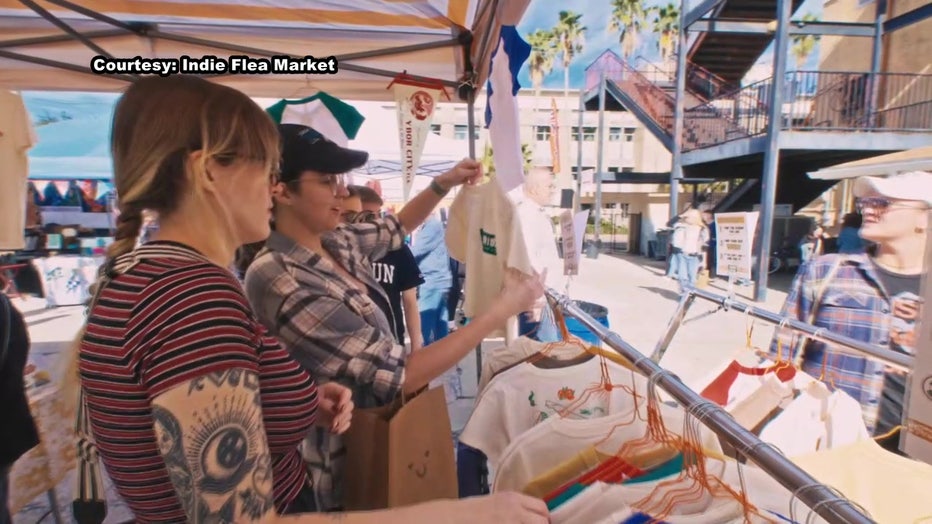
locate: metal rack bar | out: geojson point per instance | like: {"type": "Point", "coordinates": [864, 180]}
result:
{"type": "Point", "coordinates": [887, 356]}
{"type": "Point", "coordinates": [823, 500]}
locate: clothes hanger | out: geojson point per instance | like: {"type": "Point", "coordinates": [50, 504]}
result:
{"type": "Point", "coordinates": [695, 471]}
{"type": "Point", "coordinates": [308, 89]}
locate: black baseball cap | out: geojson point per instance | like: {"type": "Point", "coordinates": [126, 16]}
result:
{"type": "Point", "coordinates": [305, 149]}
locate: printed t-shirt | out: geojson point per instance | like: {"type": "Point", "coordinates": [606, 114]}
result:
{"type": "Point", "coordinates": [525, 395]}
{"type": "Point", "coordinates": [17, 136]}
{"type": "Point", "coordinates": [171, 318]}
{"type": "Point", "coordinates": [397, 272]}
{"type": "Point", "coordinates": [484, 232]}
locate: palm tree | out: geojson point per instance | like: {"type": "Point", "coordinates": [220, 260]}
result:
{"type": "Point", "coordinates": [804, 45]}
{"type": "Point", "coordinates": [627, 20]}
{"type": "Point", "coordinates": [570, 37]}
{"type": "Point", "coordinates": [666, 23]}
{"type": "Point", "coordinates": [540, 64]}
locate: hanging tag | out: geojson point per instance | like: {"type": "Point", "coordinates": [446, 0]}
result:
{"type": "Point", "coordinates": [568, 234]}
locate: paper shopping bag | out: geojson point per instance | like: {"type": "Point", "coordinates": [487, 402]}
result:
{"type": "Point", "coordinates": [400, 454]}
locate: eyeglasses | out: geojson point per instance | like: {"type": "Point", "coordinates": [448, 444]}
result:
{"type": "Point", "coordinates": [356, 217]}
{"type": "Point", "coordinates": [336, 182]}
{"type": "Point", "coordinates": [880, 205]}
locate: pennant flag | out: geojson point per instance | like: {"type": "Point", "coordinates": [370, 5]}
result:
{"type": "Point", "coordinates": [554, 135]}
{"type": "Point", "coordinates": [328, 115]}
{"type": "Point", "coordinates": [416, 102]}
{"type": "Point", "coordinates": [501, 110]}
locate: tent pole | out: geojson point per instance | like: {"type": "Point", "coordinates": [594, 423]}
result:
{"type": "Point", "coordinates": [60, 65]}
{"type": "Point", "coordinates": [54, 39]}
{"type": "Point", "coordinates": [90, 13]}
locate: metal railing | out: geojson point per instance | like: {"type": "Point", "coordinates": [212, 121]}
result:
{"type": "Point", "coordinates": [816, 101]}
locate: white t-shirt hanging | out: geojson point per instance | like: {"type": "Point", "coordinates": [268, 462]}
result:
{"type": "Point", "coordinates": [328, 115]}
{"type": "Point", "coordinates": [525, 395]}
{"type": "Point", "coordinates": [484, 232]}
{"type": "Point", "coordinates": [816, 420]}
{"type": "Point", "coordinates": [17, 136]}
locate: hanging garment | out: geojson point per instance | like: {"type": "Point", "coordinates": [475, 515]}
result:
{"type": "Point", "coordinates": [502, 117]}
{"type": "Point", "coordinates": [773, 395]}
{"type": "Point", "coordinates": [526, 395]}
{"type": "Point", "coordinates": [816, 420]}
{"type": "Point", "coordinates": [535, 456]}
{"type": "Point", "coordinates": [330, 116]}
{"type": "Point", "coordinates": [736, 382]}
{"type": "Point", "coordinates": [17, 136]}
{"type": "Point", "coordinates": [893, 489]}
{"type": "Point", "coordinates": [484, 232]}
{"type": "Point", "coordinates": [502, 357]}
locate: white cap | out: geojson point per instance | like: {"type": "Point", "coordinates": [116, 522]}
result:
{"type": "Point", "coordinates": [916, 185]}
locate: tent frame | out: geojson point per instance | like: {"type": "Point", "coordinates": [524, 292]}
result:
{"type": "Point", "coordinates": [466, 88]}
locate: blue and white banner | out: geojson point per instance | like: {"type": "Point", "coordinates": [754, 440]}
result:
{"type": "Point", "coordinates": [501, 111]}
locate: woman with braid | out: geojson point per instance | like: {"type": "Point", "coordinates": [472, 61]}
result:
{"type": "Point", "coordinates": [196, 412]}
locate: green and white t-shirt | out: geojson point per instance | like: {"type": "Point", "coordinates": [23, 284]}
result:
{"type": "Point", "coordinates": [332, 117]}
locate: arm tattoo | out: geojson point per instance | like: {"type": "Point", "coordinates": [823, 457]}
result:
{"type": "Point", "coordinates": [214, 462]}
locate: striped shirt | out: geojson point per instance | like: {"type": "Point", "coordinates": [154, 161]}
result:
{"type": "Point", "coordinates": [165, 316]}
{"type": "Point", "coordinates": [335, 330]}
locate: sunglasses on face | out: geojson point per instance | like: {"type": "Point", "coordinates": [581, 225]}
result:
{"type": "Point", "coordinates": [879, 205]}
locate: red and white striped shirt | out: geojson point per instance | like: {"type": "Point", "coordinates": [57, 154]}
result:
{"type": "Point", "coordinates": [170, 316]}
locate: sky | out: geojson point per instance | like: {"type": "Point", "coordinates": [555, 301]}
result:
{"type": "Point", "coordinates": [544, 14]}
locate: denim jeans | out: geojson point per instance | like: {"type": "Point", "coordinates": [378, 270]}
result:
{"type": "Point", "coordinates": [687, 270]}
{"type": "Point", "coordinates": [544, 330]}
{"type": "Point", "coordinates": [432, 304]}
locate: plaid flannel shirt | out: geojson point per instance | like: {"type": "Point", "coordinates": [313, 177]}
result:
{"type": "Point", "coordinates": [332, 328]}
{"type": "Point", "coordinates": [855, 304]}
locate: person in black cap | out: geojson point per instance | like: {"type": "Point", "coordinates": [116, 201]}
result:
{"type": "Point", "coordinates": [312, 287]}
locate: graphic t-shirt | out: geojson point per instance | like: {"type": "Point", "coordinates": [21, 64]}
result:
{"type": "Point", "coordinates": [906, 309]}
{"type": "Point", "coordinates": [484, 232]}
{"type": "Point", "coordinates": [397, 272]}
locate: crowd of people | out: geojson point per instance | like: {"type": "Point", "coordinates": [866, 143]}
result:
{"type": "Point", "coordinates": [222, 359]}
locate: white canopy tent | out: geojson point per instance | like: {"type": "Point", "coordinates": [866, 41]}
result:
{"type": "Point", "coordinates": [440, 154]}
{"type": "Point", "coordinates": [919, 159]}
{"type": "Point", "coordinates": [50, 46]}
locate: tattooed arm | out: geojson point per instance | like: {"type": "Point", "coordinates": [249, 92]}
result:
{"type": "Point", "coordinates": [211, 436]}
{"type": "Point", "coordinates": [213, 441]}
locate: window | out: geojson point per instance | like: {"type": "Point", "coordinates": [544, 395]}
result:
{"type": "Point", "coordinates": [629, 134]}
{"type": "Point", "coordinates": [614, 134]}
{"type": "Point", "coordinates": [435, 129]}
{"type": "Point", "coordinates": [461, 132]}
{"type": "Point", "coordinates": [542, 133]}
{"type": "Point", "coordinates": [587, 136]}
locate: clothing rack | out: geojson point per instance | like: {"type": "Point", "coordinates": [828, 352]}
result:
{"type": "Point", "coordinates": [823, 500]}
{"type": "Point", "coordinates": [726, 303]}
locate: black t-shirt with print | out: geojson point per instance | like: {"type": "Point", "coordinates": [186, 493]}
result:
{"type": "Point", "coordinates": [397, 272]}
{"type": "Point", "coordinates": [906, 307]}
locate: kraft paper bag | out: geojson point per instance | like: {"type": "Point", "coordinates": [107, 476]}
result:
{"type": "Point", "coordinates": [400, 454]}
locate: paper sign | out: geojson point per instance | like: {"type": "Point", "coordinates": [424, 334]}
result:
{"type": "Point", "coordinates": [572, 231]}
{"type": "Point", "coordinates": [734, 243]}
{"type": "Point", "coordinates": [416, 105]}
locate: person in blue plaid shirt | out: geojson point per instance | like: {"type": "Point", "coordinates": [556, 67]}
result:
{"type": "Point", "coordinates": [312, 287]}
{"type": "Point", "coordinates": [873, 298]}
